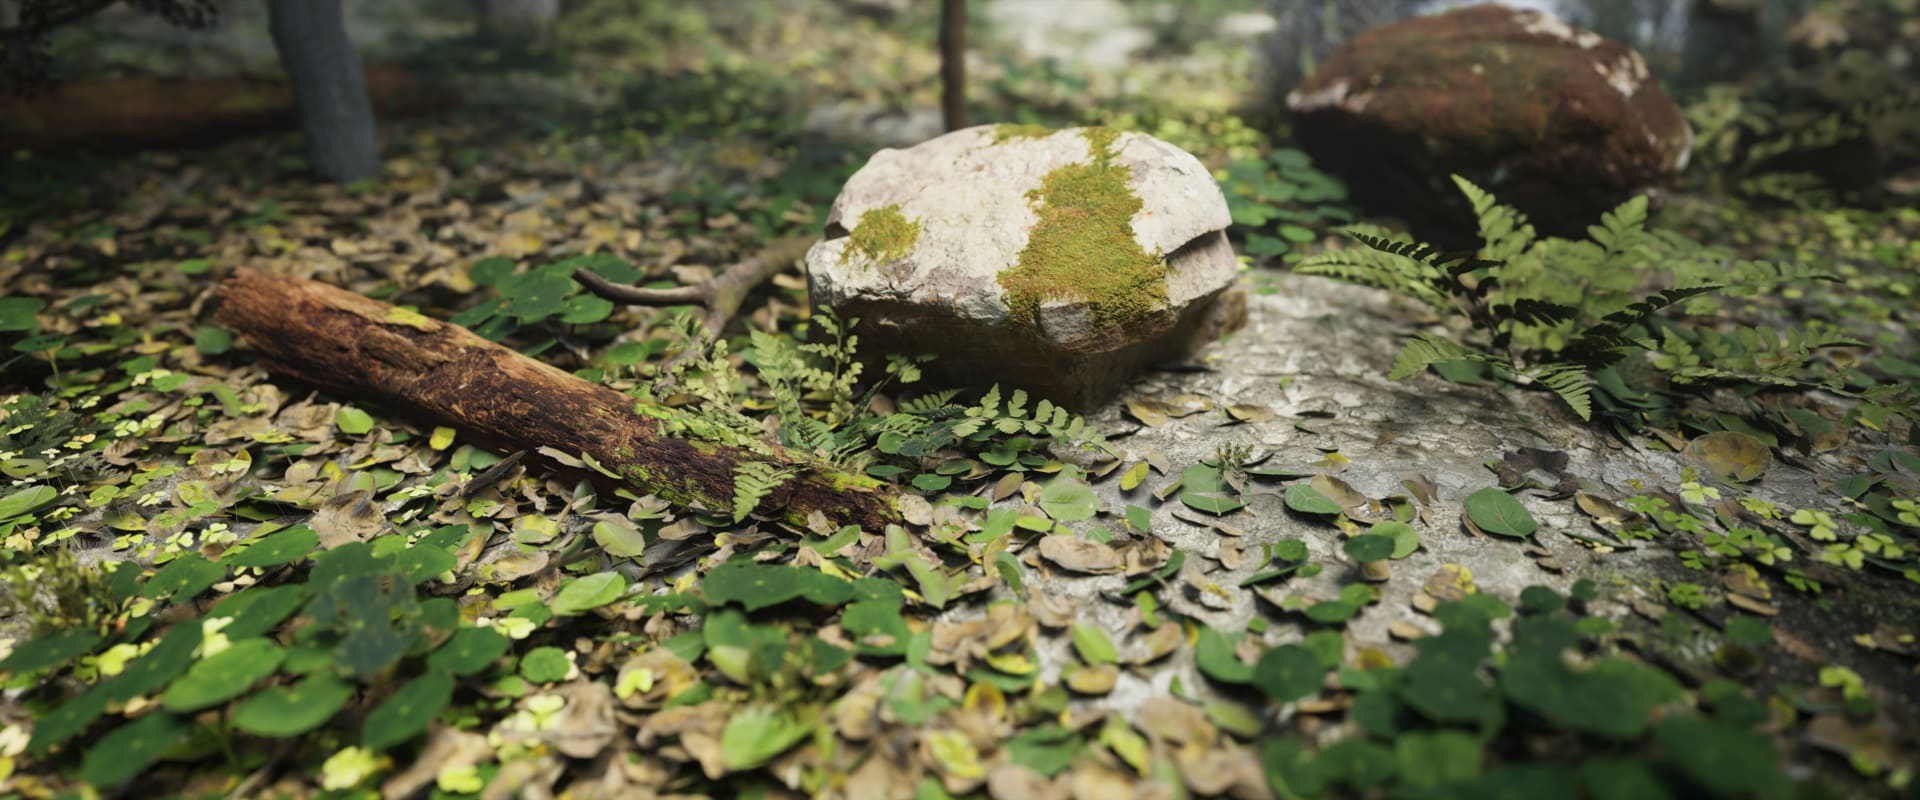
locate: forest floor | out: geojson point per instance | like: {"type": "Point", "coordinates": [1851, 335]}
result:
{"type": "Point", "coordinates": [1619, 615]}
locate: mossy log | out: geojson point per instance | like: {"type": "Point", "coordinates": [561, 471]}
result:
{"type": "Point", "coordinates": [354, 346]}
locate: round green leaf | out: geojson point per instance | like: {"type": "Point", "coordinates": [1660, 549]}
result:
{"type": "Point", "coordinates": [1358, 763]}
{"type": "Point", "coordinates": [1307, 500]}
{"type": "Point", "coordinates": [18, 503]}
{"type": "Point", "coordinates": [155, 667]}
{"type": "Point", "coordinates": [755, 735]}
{"type": "Point", "coordinates": [1211, 503]}
{"type": "Point", "coordinates": [211, 340]}
{"type": "Point", "coordinates": [1496, 512]}
{"type": "Point", "coordinates": [536, 294]}
{"type": "Point", "coordinates": [50, 650]}
{"type": "Point", "coordinates": [584, 309]}
{"type": "Point", "coordinates": [223, 675]}
{"type": "Point", "coordinates": [491, 270]}
{"type": "Point", "coordinates": [1445, 690]}
{"type": "Point", "coordinates": [16, 313]}
{"type": "Point", "coordinates": [1332, 612]}
{"type": "Point", "coordinates": [1726, 760]}
{"type": "Point", "coordinates": [545, 665]}
{"type": "Point", "coordinates": [1288, 673]}
{"type": "Point", "coordinates": [756, 586]}
{"type": "Point", "coordinates": [469, 650]}
{"type": "Point", "coordinates": [590, 592]}
{"type": "Point", "coordinates": [619, 539]}
{"type": "Point", "coordinates": [1068, 500]}
{"type": "Point", "coordinates": [1540, 599]}
{"type": "Point", "coordinates": [280, 711]}
{"type": "Point", "coordinates": [1215, 657]}
{"type": "Point", "coordinates": [1093, 645]}
{"type": "Point", "coordinates": [406, 713]}
{"type": "Point", "coordinates": [70, 718]}
{"type": "Point", "coordinates": [1405, 538]}
{"type": "Point", "coordinates": [279, 548]}
{"type": "Point", "coordinates": [353, 421]}
{"type": "Point", "coordinates": [117, 757]}
{"type": "Point", "coordinates": [1368, 547]}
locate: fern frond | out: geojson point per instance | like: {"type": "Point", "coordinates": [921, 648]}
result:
{"type": "Point", "coordinates": [753, 481]}
{"type": "Point", "coordinates": [1540, 312]}
{"type": "Point", "coordinates": [1503, 228]}
{"type": "Point", "coordinates": [1623, 227]}
{"type": "Point", "coordinates": [1644, 308]}
{"type": "Point", "coordinates": [1394, 246]}
{"type": "Point", "coordinates": [808, 434]}
{"type": "Point", "coordinates": [933, 404]}
{"type": "Point", "coordinates": [1425, 349]}
{"type": "Point", "coordinates": [1396, 266]}
{"type": "Point", "coordinates": [1572, 382]}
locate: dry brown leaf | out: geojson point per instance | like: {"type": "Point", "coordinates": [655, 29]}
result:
{"type": "Point", "coordinates": [1081, 555]}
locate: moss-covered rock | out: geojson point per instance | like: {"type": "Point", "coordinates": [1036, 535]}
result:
{"type": "Point", "coordinates": [1061, 261]}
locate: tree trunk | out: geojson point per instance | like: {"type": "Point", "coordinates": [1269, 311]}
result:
{"type": "Point", "coordinates": [354, 346]}
{"type": "Point", "coordinates": [329, 87]}
{"type": "Point", "coordinates": [953, 62]}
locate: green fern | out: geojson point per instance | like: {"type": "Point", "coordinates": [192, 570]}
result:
{"type": "Point", "coordinates": [1424, 350]}
{"type": "Point", "coordinates": [1572, 382]}
{"type": "Point", "coordinates": [933, 423]}
{"type": "Point", "coordinates": [1571, 316]}
{"type": "Point", "coordinates": [753, 481]}
{"type": "Point", "coordinates": [1389, 262]}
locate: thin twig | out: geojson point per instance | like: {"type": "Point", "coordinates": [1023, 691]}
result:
{"type": "Point", "coordinates": [636, 296]}
{"type": "Point", "coordinates": [721, 296]}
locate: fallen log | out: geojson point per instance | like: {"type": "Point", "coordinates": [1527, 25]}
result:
{"type": "Point", "coordinates": [357, 347]}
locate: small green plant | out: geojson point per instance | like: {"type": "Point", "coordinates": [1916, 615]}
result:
{"type": "Point", "coordinates": [1574, 317]}
{"type": "Point", "coordinates": [1741, 143]}
{"type": "Point", "coordinates": [932, 422]}
{"type": "Point", "coordinates": [546, 293]}
{"type": "Point", "coordinates": [1282, 202]}
{"type": "Point", "coordinates": [54, 592]}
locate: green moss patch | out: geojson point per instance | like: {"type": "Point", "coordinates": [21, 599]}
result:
{"type": "Point", "coordinates": [1007, 132]}
{"type": "Point", "coordinates": [884, 234]}
{"type": "Point", "coordinates": [1083, 247]}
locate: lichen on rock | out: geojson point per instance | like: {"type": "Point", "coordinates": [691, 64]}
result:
{"type": "Point", "coordinates": [882, 235]}
{"type": "Point", "coordinates": [1083, 246]}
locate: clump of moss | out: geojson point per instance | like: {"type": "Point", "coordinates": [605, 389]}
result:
{"type": "Point", "coordinates": [1083, 246]}
{"type": "Point", "coordinates": [883, 234]}
{"type": "Point", "coordinates": [1007, 131]}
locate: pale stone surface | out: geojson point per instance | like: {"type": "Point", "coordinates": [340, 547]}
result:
{"type": "Point", "coordinates": [969, 195]}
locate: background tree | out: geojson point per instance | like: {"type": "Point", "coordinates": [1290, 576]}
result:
{"type": "Point", "coordinates": [953, 62]}
{"type": "Point", "coordinates": [329, 87]}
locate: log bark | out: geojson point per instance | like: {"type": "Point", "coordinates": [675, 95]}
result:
{"type": "Point", "coordinates": [354, 346]}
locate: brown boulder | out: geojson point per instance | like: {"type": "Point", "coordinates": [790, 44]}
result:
{"type": "Point", "coordinates": [1560, 122]}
